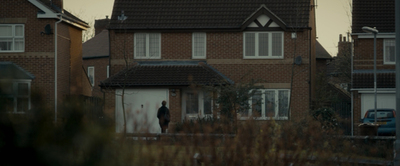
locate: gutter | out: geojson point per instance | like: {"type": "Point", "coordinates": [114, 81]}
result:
{"type": "Point", "coordinates": [55, 67]}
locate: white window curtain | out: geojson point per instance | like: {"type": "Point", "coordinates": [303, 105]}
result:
{"type": "Point", "coordinates": [91, 75]}
{"type": "Point", "coordinates": [199, 45]}
{"type": "Point", "coordinates": [147, 45]}
{"type": "Point", "coordinates": [277, 44]}
{"type": "Point", "coordinates": [154, 45]}
{"type": "Point", "coordinates": [268, 104]}
{"type": "Point", "coordinates": [263, 45]}
{"type": "Point", "coordinates": [390, 51]}
{"type": "Point", "coordinates": [250, 45]}
{"type": "Point", "coordinates": [11, 38]}
{"type": "Point", "coordinates": [140, 45]}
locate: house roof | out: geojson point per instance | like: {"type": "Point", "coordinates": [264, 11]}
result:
{"type": "Point", "coordinates": [366, 80]}
{"type": "Point", "coordinates": [47, 6]}
{"type": "Point", "coordinates": [98, 46]}
{"type": "Point", "coordinates": [9, 70]}
{"type": "Point", "coordinates": [200, 14]}
{"type": "Point", "coordinates": [167, 73]}
{"type": "Point", "coordinates": [373, 13]}
{"type": "Point", "coordinates": [321, 53]}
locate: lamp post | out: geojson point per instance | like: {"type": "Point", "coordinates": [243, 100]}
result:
{"type": "Point", "coordinates": [373, 31]}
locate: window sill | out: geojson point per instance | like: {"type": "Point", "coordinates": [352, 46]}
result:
{"type": "Point", "coordinates": [257, 57]}
{"type": "Point", "coordinates": [198, 57]}
{"type": "Point", "coordinates": [265, 118]}
{"type": "Point", "coordinates": [147, 58]}
{"type": "Point", "coordinates": [394, 63]}
{"type": "Point", "coordinates": [11, 51]}
{"type": "Point", "coordinates": [14, 113]}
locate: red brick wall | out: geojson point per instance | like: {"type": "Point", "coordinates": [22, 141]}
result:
{"type": "Point", "coordinates": [364, 54]}
{"type": "Point", "coordinates": [63, 61]}
{"type": "Point", "coordinates": [76, 61]}
{"type": "Point", "coordinates": [38, 56]}
{"type": "Point", "coordinates": [225, 53]}
{"type": "Point", "coordinates": [175, 105]}
{"type": "Point", "coordinates": [100, 69]}
{"type": "Point", "coordinates": [356, 111]}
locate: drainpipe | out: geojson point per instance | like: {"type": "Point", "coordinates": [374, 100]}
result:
{"type": "Point", "coordinates": [352, 92]}
{"type": "Point", "coordinates": [55, 68]}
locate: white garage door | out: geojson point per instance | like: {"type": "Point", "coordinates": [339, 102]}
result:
{"type": "Point", "coordinates": [383, 101]}
{"type": "Point", "coordinates": [141, 107]}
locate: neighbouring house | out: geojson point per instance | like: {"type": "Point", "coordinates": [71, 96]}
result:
{"type": "Point", "coordinates": [322, 58]}
{"type": "Point", "coordinates": [379, 14]}
{"type": "Point", "coordinates": [95, 54]}
{"type": "Point", "coordinates": [171, 50]}
{"type": "Point", "coordinates": [40, 52]}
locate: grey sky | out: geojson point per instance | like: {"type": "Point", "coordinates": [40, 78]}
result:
{"type": "Point", "coordinates": [333, 17]}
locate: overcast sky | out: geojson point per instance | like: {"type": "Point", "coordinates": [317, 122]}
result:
{"type": "Point", "coordinates": [332, 17]}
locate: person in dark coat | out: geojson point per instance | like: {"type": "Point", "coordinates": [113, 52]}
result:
{"type": "Point", "coordinates": [163, 116]}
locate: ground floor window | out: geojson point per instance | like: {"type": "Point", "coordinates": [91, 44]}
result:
{"type": "Point", "coordinates": [196, 104]}
{"type": "Point", "coordinates": [15, 96]}
{"type": "Point", "coordinates": [268, 104]}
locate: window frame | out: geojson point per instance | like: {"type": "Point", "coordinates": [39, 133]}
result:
{"type": "Point", "coordinates": [384, 51]}
{"type": "Point", "coordinates": [204, 36]}
{"type": "Point", "coordinates": [147, 49]}
{"type": "Point", "coordinates": [15, 94]}
{"type": "Point", "coordinates": [200, 103]}
{"type": "Point", "coordinates": [14, 37]}
{"type": "Point", "coordinates": [263, 110]}
{"type": "Point", "coordinates": [88, 75]}
{"type": "Point", "coordinates": [256, 45]}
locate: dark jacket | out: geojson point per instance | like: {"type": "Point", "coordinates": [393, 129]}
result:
{"type": "Point", "coordinates": [162, 111]}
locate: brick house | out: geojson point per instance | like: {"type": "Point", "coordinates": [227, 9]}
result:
{"type": "Point", "coordinates": [169, 50]}
{"type": "Point", "coordinates": [95, 54]}
{"type": "Point", "coordinates": [40, 52]}
{"type": "Point", "coordinates": [379, 14]}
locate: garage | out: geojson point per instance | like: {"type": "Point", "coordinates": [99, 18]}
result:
{"type": "Point", "coordinates": [141, 107]}
{"type": "Point", "coordinates": [384, 100]}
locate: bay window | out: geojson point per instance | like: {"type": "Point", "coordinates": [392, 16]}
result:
{"type": "Point", "coordinates": [15, 96]}
{"type": "Point", "coordinates": [268, 104]}
{"type": "Point", "coordinates": [197, 104]}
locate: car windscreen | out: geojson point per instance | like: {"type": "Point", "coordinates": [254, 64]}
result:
{"type": "Point", "coordinates": [381, 114]}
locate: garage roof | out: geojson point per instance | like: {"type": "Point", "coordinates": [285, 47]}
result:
{"type": "Point", "coordinates": [167, 73]}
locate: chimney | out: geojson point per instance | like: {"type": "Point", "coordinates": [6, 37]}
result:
{"type": "Point", "coordinates": [340, 38]}
{"type": "Point", "coordinates": [59, 4]}
{"type": "Point", "coordinates": [100, 25]}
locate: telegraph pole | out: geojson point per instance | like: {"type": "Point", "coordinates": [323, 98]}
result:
{"type": "Point", "coordinates": [397, 30]}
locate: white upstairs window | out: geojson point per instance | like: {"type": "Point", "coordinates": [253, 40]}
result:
{"type": "Point", "coordinates": [199, 46]}
{"type": "Point", "coordinates": [147, 46]}
{"type": "Point", "coordinates": [263, 45]}
{"type": "Point", "coordinates": [389, 51]}
{"type": "Point", "coordinates": [12, 38]}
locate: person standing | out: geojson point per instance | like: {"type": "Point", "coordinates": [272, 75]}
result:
{"type": "Point", "coordinates": [163, 116]}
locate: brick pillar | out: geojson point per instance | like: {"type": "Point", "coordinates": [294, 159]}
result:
{"type": "Point", "coordinates": [175, 107]}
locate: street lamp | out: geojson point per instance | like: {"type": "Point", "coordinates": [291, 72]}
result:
{"type": "Point", "coordinates": [373, 31]}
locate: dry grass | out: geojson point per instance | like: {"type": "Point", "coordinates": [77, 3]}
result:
{"type": "Point", "coordinates": [81, 140]}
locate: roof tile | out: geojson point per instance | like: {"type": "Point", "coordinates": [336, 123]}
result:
{"type": "Point", "coordinates": [192, 14]}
